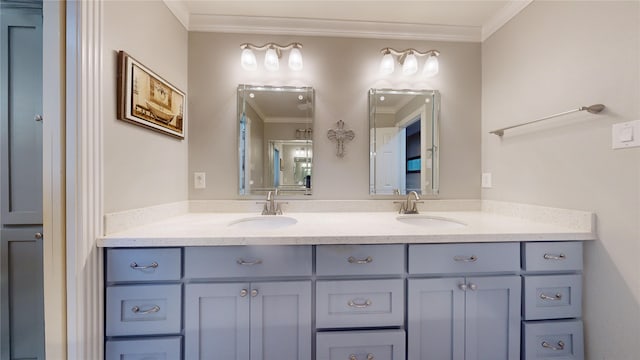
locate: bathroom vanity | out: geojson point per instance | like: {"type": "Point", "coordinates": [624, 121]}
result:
{"type": "Point", "coordinates": [350, 285]}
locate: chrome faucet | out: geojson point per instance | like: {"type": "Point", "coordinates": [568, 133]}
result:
{"type": "Point", "coordinates": [410, 205]}
{"type": "Point", "coordinates": [271, 207]}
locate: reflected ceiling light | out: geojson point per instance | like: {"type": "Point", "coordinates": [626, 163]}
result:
{"type": "Point", "coordinates": [409, 60]}
{"type": "Point", "coordinates": [272, 56]}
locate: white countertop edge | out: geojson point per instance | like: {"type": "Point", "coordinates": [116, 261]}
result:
{"type": "Point", "coordinates": [343, 240]}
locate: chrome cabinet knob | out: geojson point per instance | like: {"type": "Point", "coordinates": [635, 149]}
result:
{"type": "Point", "coordinates": [473, 287]}
{"type": "Point", "coordinates": [463, 287]}
{"type": "Point", "coordinates": [254, 293]}
{"type": "Point", "coordinates": [38, 235]}
{"type": "Point", "coordinates": [38, 118]}
{"type": "Point", "coordinates": [243, 292]}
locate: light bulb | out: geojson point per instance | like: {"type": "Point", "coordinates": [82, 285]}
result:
{"type": "Point", "coordinates": [248, 60]}
{"type": "Point", "coordinates": [387, 64]}
{"type": "Point", "coordinates": [295, 59]}
{"type": "Point", "coordinates": [271, 62]}
{"type": "Point", "coordinates": [431, 66]}
{"type": "Point", "coordinates": [410, 65]}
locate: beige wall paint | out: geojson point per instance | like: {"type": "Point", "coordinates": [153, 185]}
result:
{"type": "Point", "coordinates": [341, 71]}
{"type": "Point", "coordinates": [552, 57]}
{"type": "Point", "coordinates": [142, 167]}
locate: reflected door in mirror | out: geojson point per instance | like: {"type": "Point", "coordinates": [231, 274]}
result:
{"type": "Point", "coordinates": [403, 141]}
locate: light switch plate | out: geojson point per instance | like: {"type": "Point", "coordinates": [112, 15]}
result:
{"type": "Point", "coordinates": [625, 135]}
{"type": "Point", "coordinates": [486, 180]}
{"type": "Point", "coordinates": [199, 180]}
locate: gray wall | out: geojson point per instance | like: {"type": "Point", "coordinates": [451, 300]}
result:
{"type": "Point", "coordinates": [341, 70]}
{"type": "Point", "coordinates": [552, 57]}
{"type": "Point", "coordinates": [142, 167]}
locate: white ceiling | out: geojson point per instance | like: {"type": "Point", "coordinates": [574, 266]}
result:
{"type": "Point", "coordinates": [453, 20]}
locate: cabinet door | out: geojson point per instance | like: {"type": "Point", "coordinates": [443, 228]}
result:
{"type": "Point", "coordinates": [493, 318]}
{"type": "Point", "coordinates": [20, 102]}
{"type": "Point", "coordinates": [22, 311]}
{"type": "Point", "coordinates": [281, 320]}
{"type": "Point", "coordinates": [217, 321]}
{"type": "Point", "coordinates": [436, 319]}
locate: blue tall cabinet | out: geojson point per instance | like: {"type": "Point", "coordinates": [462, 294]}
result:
{"type": "Point", "coordinates": [21, 289]}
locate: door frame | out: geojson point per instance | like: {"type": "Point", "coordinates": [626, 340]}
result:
{"type": "Point", "coordinates": [72, 179]}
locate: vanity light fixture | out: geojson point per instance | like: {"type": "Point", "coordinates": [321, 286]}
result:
{"type": "Point", "coordinates": [271, 57]}
{"type": "Point", "coordinates": [409, 60]}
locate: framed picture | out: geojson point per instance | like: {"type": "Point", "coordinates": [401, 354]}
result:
{"type": "Point", "coordinates": [146, 99]}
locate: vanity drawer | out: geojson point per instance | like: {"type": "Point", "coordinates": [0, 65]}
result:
{"type": "Point", "coordinates": [359, 303]}
{"type": "Point", "coordinates": [552, 256]}
{"type": "Point", "coordinates": [359, 259]}
{"type": "Point", "coordinates": [552, 297]}
{"type": "Point", "coordinates": [143, 310]}
{"type": "Point", "coordinates": [553, 340]}
{"type": "Point", "coordinates": [464, 258]}
{"type": "Point", "coordinates": [361, 345]}
{"type": "Point", "coordinates": [143, 264]}
{"type": "Point", "coordinates": [162, 348]}
{"type": "Point", "coordinates": [247, 261]}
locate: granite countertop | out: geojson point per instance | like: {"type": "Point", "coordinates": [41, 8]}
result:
{"type": "Point", "coordinates": [356, 227]}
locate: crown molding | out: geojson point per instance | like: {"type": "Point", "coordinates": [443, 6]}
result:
{"type": "Point", "coordinates": [342, 28]}
{"type": "Point", "coordinates": [180, 11]}
{"type": "Point", "coordinates": [335, 28]}
{"type": "Point", "coordinates": [508, 12]}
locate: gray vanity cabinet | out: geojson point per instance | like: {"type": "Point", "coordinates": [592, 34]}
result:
{"type": "Point", "coordinates": [464, 318]}
{"type": "Point", "coordinates": [248, 321]}
{"type": "Point", "coordinates": [456, 310]}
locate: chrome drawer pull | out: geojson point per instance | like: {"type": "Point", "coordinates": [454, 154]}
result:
{"type": "Point", "coordinates": [554, 257]}
{"type": "Point", "coordinates": [558, 347]}
{"type": "Point", "coordinates": [471, 258]}
{"type": "Point", "coordinates": [363, 305]}
{"type": "Point", "coordinates": [242, 261]}
{"type": "Point", "coordinates": [366, 260]}
{"type": "Point", "coordinates": [354, 357]}
{"type": "Point", "coordinates": [556, 297]}
{"type": "Point", "coordinates": [135, 266]}
{"type": "Point", "coordinates": [154, 309]}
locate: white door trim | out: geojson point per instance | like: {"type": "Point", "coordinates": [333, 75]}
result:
{"type": "Point", "coordinates": [53, 201]}
{"type": "Point", "coordinates": [84, 195]}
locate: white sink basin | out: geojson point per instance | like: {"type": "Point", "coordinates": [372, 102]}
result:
{"type": "Point", "coordinates": [264, 222]}
{"type": "Point", "coordinates": [434, 222]}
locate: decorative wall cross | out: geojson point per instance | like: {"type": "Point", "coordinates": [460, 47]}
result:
{"type": "Point", "coordinates": [339, 135]}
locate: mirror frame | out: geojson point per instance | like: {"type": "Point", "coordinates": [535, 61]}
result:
{"type": "Point", "coordinates": [242, 89]}
{"type": "Point", "coordinates": [434, 184]}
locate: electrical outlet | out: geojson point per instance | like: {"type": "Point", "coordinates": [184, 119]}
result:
{"type": "Point", "coordinates": [486, 180]}
{"type": "Point", "coordinates": [199, 180]}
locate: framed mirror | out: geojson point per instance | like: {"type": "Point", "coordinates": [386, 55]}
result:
{"type": "Point", "coordinates": [403, 127]}
{"type": "Point", "coordinates": [275, 139]}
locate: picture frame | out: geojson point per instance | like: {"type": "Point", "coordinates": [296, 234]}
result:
{"type": "Point", "coordinates": [146, 99]}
